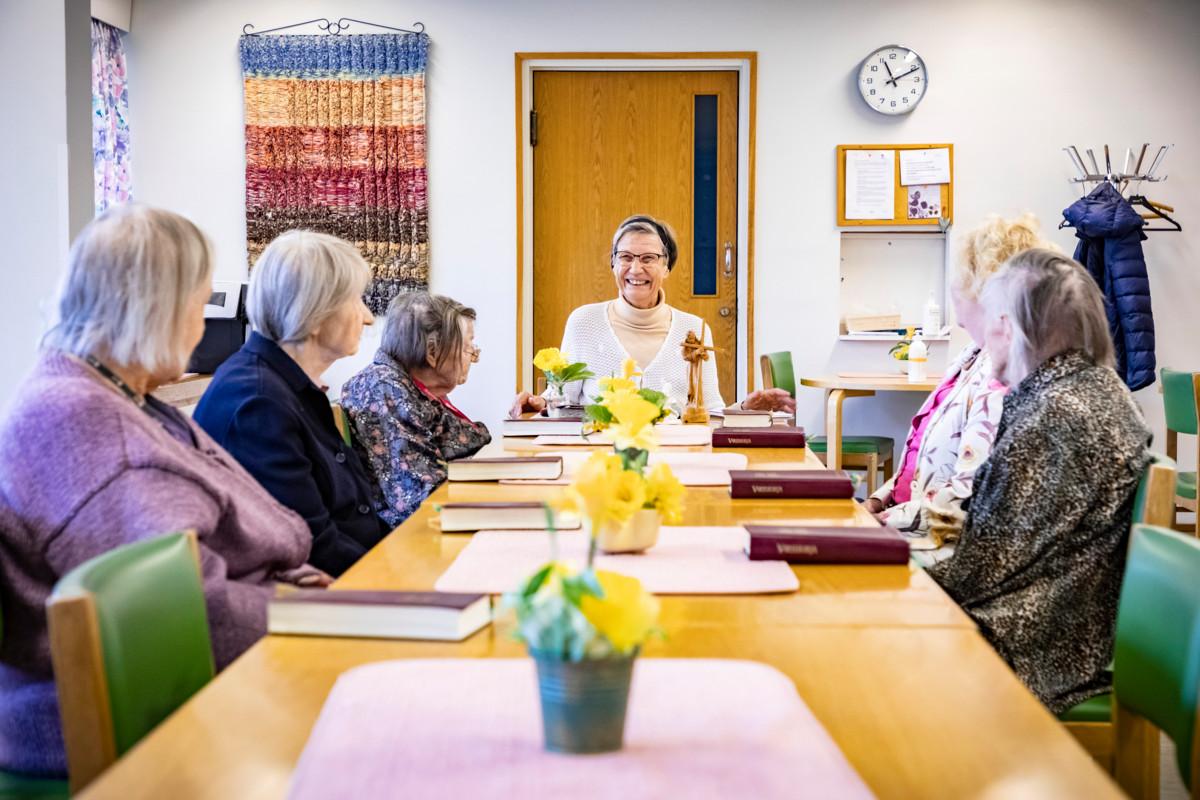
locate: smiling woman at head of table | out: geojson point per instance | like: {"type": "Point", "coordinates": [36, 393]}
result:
{"type": "Point", "coordinates": [639, 324]}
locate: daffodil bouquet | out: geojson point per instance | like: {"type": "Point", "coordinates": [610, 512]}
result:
{"type": "Point", "coordinates": [630, 411]}
{"type": "Point", "coordinates": [559, 369]}
{"type": "Point", "coordinates": [899, 350]}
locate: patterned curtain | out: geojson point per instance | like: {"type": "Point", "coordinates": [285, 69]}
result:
{"type": "Point", "coordinates": [335, 142]}
{"type": "Point", "coordinates": [110, 117]}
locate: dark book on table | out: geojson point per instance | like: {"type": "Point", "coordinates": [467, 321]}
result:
{"type": "Point", "coordinates": [539, 426]}
{"type": "Point", "coordinates": [377, 614]}
{"type": "Point", "coordinates": [530, 515]}
{"type": "Point", "coordinates": [826, 545]}
{"type": "Point", "coordinates": [499, 469]}
{"type": "Point", "coordinates": [800, 484]}
{"type": "Point", "coordinates": [775, 436]}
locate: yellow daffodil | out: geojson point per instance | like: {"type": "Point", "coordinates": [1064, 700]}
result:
{"type": "Point", "coordinates": [610, 386]}
{"type": "Point", "coordinates": [633, 410]}
{"type": "Point", "coordinates": [665, 493]}
{"type": "Point", "coordinates": [627, 494]}
{"type": "Point", "coordinates": [626, 436]}
{"type": "Point", "coordinates": [551, 359]}
{"type": "Point", "coordinates": [625, 615]}
{"type": "Point", "coordinates": [600, 492]}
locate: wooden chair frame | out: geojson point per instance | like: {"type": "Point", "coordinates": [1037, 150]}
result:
{"type": "Point", "coordinates": [1127, 746]}
{"type": "Point", "coordinates": [1185, 503]}
{"type": "Point", "coordinates": [869, 462]}
{"type": "Point", "coordinates": [83, 695]}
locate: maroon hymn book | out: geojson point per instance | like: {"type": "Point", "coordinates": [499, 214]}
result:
{"type": "Point", "coordinates": [808, 484]}
{"type": "Point", "coordinates": [826, 545]}
{"type": "Point", "coordinates": [775, 436]}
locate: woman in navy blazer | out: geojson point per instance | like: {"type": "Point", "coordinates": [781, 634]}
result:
{"type": "Point", "coordinates": [267, 406]}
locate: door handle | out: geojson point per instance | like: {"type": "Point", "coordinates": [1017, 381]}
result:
{"type": "Point", "coordinates": [729, 259]}
{"type": "Point", "coordinates": [724, 311]}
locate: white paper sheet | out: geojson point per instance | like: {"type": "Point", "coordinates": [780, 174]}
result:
{"type": "Point", "coordinates": [924, 166]}
{"type": "Point", "coordinates": [870, 184]}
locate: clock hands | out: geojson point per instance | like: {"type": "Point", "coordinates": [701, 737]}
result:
{"type": "Point", "coordinates": [891, 78]}
{"type": "Point", "coordinates": [905, 75]}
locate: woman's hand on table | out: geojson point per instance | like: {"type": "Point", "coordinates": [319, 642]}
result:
{"type": "Point", "coordinates": [307, 576]}
{"type": "Point", "coordinates": [525, 403]}
{"type": "Point", "coordinates": [770, 400]}
{"type": "Point", "coordinates": [875, 506]}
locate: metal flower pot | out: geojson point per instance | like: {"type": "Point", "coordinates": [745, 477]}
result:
{"type": "Point", "coordinates": [583, 703]}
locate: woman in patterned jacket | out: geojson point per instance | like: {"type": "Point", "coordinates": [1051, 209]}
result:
{"type": "Point", "coordinates": [952, 433]}
{"type": "Point", "coordinates": [1042, 551]}
{"type": "Point", "coordinates": [398, 404]}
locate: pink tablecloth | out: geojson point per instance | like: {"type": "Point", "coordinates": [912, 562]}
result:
{"type": "Point", "coordinates": [471, 728]}
{"type": "Point", "coordinates": [686, 560]}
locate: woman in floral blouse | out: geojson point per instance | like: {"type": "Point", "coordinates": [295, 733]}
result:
{"type": "Point", "coordinates": [953, 432]}
{"type": "Point", "coordinates": [398, 404]}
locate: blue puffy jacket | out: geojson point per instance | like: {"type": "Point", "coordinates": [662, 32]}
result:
{"type": "Point", "coordinates": [1110, 246]}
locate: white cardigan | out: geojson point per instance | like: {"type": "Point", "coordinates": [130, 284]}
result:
{"type": "Point", "coordinates": [589, 337]}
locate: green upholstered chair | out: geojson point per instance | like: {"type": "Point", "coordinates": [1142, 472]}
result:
{"type": "Point", "coordinates": [130, 643]}
{"type": "Point", "coordinates": [858, 452]}
{"type": "Point", "coordinates": [1091, 722]}
{"type": "Point", "coordinates": [22, 787]}
{"type": "Point", "coordinates": [1156, 668]}
{"type": "Point", "coordinates": [1180, 392]}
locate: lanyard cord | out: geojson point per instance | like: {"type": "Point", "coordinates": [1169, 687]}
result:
{"type": "Point", "coordinates": [115, 380]}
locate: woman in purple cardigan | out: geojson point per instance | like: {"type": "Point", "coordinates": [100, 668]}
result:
{"type": "Point", "coordinates": [89, 460]}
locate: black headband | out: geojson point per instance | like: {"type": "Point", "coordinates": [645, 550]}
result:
{"type": "Point", "coordinates": [663, 234]}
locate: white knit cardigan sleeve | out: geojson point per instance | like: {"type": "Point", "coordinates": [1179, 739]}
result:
{"type": "Point", "coordinates": [589, 337]}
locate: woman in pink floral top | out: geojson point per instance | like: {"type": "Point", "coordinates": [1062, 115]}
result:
{"type": "Point", "coordinates": [403, 420]}
{"type": "Point", "coordinates": [952, 434]}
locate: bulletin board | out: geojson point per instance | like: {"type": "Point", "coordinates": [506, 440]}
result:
{"type": "Point", "coordinates": [900, 205]}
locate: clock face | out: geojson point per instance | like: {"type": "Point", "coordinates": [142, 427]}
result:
{"type": "Point", "coordinates": [892, 80]}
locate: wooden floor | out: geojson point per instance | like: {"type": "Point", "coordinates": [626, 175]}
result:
{"type": "Point", "coordinates": [914, 696]}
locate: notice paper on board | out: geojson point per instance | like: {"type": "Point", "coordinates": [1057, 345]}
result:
{"type": "Point", "coordinates": [870, 184]}
{"type": "Point", "coordinates": [924, 166]}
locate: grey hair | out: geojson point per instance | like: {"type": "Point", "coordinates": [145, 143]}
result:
{"type": "Point", "coordinates": [301, 279]}
{"type": "Point", "coordinates": [419, 325]}
{"type": "Point", "coordinates": [644, 223]}
{"type": "Point", "coordinates": [1054, 306]}
{"type": "Point", "coordinates": [130, 275]}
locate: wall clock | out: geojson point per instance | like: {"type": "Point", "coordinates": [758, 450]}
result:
{"type": "Point", "coordinates": [892, 80]}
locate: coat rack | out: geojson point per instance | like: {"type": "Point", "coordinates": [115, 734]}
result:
{"type": "Point", "coordinates": [332, 28]}
{"type": "Point", "coordinates": [1121, 181]}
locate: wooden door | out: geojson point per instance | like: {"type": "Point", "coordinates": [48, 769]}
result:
{"type": "Point", "coordinates": [612, 144]}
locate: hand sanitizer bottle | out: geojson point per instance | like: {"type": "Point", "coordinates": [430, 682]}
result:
{"type": "Point", "coordinates": [932, 321]}
{"type": "Point", "coordinates": [918, 357]}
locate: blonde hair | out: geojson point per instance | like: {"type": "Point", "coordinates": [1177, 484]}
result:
{"type": "Point", "coordinates": [1053, 305]}
{"type": "Point", "coordinates": [985, 249]}
{"type": "Point", "coordinates": [301, 279]}
{"type": "Point", "coordinates": [130, 275]}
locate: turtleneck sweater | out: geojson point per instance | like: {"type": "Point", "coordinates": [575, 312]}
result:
{"type": "Point", "coordinates": [641, 331]}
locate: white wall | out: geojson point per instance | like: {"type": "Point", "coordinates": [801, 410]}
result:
{"type": "Point", "coordinates": [33, 163]}
{"type": "Point", "coordinates": [1010, 84]}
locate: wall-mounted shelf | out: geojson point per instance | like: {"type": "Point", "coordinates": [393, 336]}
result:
{"type": "Point", "coordinates": [942, 336]}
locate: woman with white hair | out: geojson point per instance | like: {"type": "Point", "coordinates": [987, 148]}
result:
{"type": "Point", "coordinates": [639, 324]}
{"type": "Point", "coordinates": [267, 405]}
{"type": "Point", "coordinates": [1042, 551]}
{"type": "Point", "coordinates": [399, 404]}
{"type": "Point", "coordinates": [90, 460]}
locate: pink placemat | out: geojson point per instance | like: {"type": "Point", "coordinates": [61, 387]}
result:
{"type": "Point", "coordinates": [692, 469]}
{"type": "Point", "coordinates": [668, 435]}
{"type": "Point", "coordinates": [686, 560]}
{"type": "Point", "coordinates": [471, 728]}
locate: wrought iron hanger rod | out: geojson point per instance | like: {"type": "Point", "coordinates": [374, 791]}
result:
{"type": "Point", "coordinates": [332, 28]}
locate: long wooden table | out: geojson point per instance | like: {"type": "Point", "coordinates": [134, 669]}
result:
{"type": "Point", "coordinates": [915, 697]}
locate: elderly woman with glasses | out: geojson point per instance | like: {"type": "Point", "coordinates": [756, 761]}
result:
{"type": "Point", "coordinates": [640, 325]}
{"type": "Point", "coordinates": [267, 405]}
{"type": "Point", "coordinates": [90, 460]}
{"type": "Point", "coordinates": [399, 406]}
{"type": "Point", "coordinates": [1042, 551]}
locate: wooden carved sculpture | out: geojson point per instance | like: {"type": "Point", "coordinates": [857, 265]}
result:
{"type": "Point", "coordinates": [695, 353]}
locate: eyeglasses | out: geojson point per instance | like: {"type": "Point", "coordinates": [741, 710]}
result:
{"type": "Point", "coordinates": [472, 351]}
{"type": "Point", "coordinates": [626, 258]}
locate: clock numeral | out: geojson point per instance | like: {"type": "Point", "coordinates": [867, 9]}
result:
{"type": "Point", "coordinates": [881, 101]}
{"type": "Point", "coordinates": [870, 80]}
{"type": "Point", "coordinates": [891, 55]}
{"type": "Point", "coordinates": [905, 99]}
{"type": "Point", "coordinates": [874, 68]}
{"type": "Point", "coordinates": [914, 91]}
{"type": "Point", "coordinates": [893, 104]}
{"type": "Point", "coordinates": [872, 91]}
{"type": "Point", "coordinates": [916, 78]}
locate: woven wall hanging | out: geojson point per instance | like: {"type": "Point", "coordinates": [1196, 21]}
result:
{"type": "Point", "coordinates": [335, 142]}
